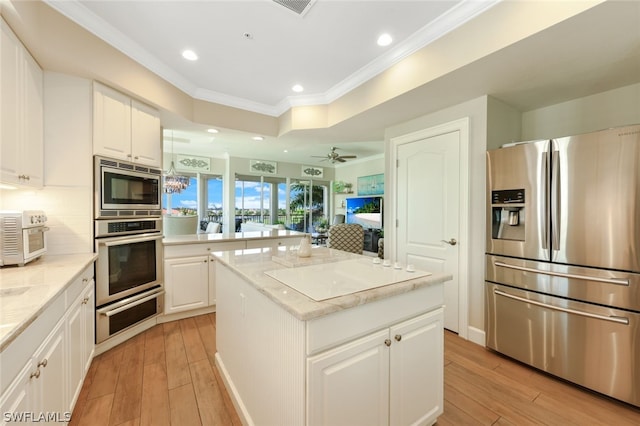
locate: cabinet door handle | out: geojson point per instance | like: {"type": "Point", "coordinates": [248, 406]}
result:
{"type": "Point", "coordinates": [85, 300]}
{"type": "Point", "coordinates": [398, 337]}
{"type": "Point", "coordinates": [43, 363]}
{"type": "Point", "coordinates": [85, 280]}
{"type": "Point", "coordinates": [36, 374]}
{"type": "Point", "coordinates": [387, 342]}
{"type": "Point", "coordinates": [205, 261]}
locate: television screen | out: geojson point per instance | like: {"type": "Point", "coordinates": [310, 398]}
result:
{"type": "Point", "coordinates": [365, 211]}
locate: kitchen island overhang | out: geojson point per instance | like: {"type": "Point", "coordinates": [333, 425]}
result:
{"type": "Point", "coordinates": [288, 359]}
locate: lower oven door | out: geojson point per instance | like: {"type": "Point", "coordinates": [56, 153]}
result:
{"type": "Point", "coordinates": [123, 314]}
{"type": "Point", "coordinates": [591, 345]}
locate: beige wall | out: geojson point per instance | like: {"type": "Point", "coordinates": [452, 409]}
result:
{"type": "Point", "coordinates": [476, 111]}
{"type": "Point", "coordinates": [613, 108]}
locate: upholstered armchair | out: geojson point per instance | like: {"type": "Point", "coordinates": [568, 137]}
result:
{"type": "Point", "coordinates": [346, 237]}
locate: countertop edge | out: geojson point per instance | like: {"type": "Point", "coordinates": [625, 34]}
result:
{"type": "Point", "coordinates": [228, 237]}
{"type": "Point", "coordinates": [17, 330]}
{"type": "Point", "coordinates": [316, 309]}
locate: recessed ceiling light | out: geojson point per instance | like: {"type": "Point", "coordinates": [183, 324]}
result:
{"type": "Point", "coordinates": [286, 150]}
{"type": "Point", "coordinates": [297, 88]}
{"type": "Point", "coordinates": [190, 55]}
{"type": "Point", "coordinates": [258, 138]}
{"type": "Point", "coordinates": [212, 130]}
{"type": "Point", "coordinates": [384, 40]}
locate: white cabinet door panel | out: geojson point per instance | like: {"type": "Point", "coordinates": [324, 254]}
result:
{"type": "Point", "coordinates": [416, 395]}
{"type": "Point", "coordinates": [349, 385]}
{"type": "Point", "coordinates": [186, 283]}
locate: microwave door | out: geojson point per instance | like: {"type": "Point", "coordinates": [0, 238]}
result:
{"type": "Point", "coordinates": [518, 201]}
{"type": "Point", "coordinates": [596, 197]}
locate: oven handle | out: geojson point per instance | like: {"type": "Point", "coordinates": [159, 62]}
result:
{"type": "Point", "coordinates": [619, 320]}
{"type": "Point", "coordinates": [129, 303]}
{"type": "Point", "coordinates": [564, 274]}
{"type": "Point", "coordinates": [118, 241]}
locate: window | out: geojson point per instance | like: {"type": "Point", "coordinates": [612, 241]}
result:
{"type": "Point", "coordinates": [257, 199]}
{"type": "Point", "coordinates": [307, 204]}
{"type": "Point", "coordinates": [203, 197]}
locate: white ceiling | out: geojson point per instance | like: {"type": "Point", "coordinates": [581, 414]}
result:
{"type": "Point", "coordinates": [331, 49]}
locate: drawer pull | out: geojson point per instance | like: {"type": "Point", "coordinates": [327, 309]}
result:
{"type": "Point", "coordinates": [43, 363]}
{"type": "Point", "coordinates": [387, 342]}
{"type": "Point", "coordinates": [619, 320]}
{"type": "Point", "coordinates": [36, 374]}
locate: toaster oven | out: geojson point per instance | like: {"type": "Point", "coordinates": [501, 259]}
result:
{"type": "Point", "coordinates": [22, 236]}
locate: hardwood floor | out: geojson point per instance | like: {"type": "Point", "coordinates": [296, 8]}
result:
{"type": "Point", "coordinates": [167, 376]}
{"type": "Point", "coordinates": [164, 376]}
{"type": "Point", "coordinates": [482, 387]}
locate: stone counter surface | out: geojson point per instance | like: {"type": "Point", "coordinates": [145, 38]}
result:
{"type": "Point", "coordinates": [251, 265]}
{"type": "Point", "coordinates": [229, 237]}
{"type": "Point", "coordinates": [26, 291]}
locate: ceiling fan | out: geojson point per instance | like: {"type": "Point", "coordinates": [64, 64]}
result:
{"type": "Point", "coordinates": [334, 157]}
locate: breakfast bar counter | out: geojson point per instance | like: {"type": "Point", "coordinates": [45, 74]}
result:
{"type": "Point", "coordinates": [334, 338]}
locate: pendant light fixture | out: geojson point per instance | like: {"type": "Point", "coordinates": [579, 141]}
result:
{"type": "Point", "coordinates": [173, 182]}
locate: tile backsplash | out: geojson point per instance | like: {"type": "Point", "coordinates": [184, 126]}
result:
{"type": "Point", "coordinates": [69, 213]}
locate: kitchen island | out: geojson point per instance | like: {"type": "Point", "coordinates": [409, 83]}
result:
{"type": "Point", "coordinates": [331, 339]}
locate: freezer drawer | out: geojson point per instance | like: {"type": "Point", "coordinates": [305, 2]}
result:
{"type": "Point", "coordinates": [609, 288]}
{"type": "Point", "coordinates": [593, 346]}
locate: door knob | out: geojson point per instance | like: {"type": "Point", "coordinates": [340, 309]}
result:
{"type": "Point", "coordinates": [451, 242]}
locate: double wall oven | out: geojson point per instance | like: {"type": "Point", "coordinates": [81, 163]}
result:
{"type": "Point", "coordinates": [128, 240]}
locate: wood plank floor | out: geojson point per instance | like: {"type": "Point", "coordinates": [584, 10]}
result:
{"type": "Point", "coordinates": [167, 376]}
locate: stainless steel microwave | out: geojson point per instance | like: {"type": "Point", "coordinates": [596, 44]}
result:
{"type": "Point", "coordinates": [124, 189]}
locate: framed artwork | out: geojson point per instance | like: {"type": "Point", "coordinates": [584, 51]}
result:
{"type": "Point", "coordinates": [371, 185]}
{"type": "Point", "coordinates": [312, 172]}
{"type": "Point", "coordinates": [262, 166]}
{"type": "Point", "coordinates": [193, 163]}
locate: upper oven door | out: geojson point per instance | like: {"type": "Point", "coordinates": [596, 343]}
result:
{"type": "Point", "coordinates": [127, 265]}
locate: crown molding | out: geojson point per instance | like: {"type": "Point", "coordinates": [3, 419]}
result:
{"type": "Point", "coordinates": [453, 18]}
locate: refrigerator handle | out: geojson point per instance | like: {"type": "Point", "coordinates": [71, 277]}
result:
{"type": "Point", "coordinates": [555, 202]}
{"type": "Point", "coordinates": [545, 201]}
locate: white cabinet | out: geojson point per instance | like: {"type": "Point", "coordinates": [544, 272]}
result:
{"type": "Point", "coordinates": [46, 364]}
{"type": "Point", "coordinates": [124, 128]}
{"type": "Point", "coordinates": [81, 337]}
{"type": "Point", "coordinates": [41, 386]}
{"type": "Point", "coordinates": [186, 283]}
{"type": "Point", "coordinates": [379, 363]}
{"type": "Point", "coordinates": [21, 113]}
{"type": "Point", "coordinates": [396, 374]}
{"type": "Point", "coordinates": [357, 368]}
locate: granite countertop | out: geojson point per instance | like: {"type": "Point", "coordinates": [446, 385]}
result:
{"type": "Point", "coordinates": [26, 291]}
{"type": "Point", "coordinates": [229, 237]}
{"type": "Point", "coordinates": [251, 265]}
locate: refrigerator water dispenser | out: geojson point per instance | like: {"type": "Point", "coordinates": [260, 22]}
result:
{"type": "Point", "coordinates": [508, 214]}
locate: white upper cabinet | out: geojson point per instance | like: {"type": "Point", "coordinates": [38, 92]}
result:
{"type": "Point", "coordinates": [124, 128]}
{"type": "Point", "coordinates": [21, 113]}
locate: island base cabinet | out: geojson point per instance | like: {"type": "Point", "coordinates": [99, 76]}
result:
{"type": "Point", "coordinates": [393, 376]}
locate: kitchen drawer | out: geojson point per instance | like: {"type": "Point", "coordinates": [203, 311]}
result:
{"type": "Point", "coordinates": [200, 249]}
{"type": "Point", "coordinates": [340, 327]}
{"type": "Point", "coordinates": [76, 287]}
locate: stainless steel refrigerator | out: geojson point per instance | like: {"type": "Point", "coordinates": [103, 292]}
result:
{"type": "Point", "coordinates": [562, 287]}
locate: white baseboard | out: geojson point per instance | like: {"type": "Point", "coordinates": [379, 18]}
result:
{"type": "Point", "coordinates": [476, 336]}
{"type": "Point", "coordinates": [242, 411]}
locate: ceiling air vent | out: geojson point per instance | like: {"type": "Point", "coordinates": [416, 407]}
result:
{"type": "Point", "coordinates": [298, 6]}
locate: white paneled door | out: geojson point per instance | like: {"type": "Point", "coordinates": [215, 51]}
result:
{"type": "Point", "coordinates": [428, 207]}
